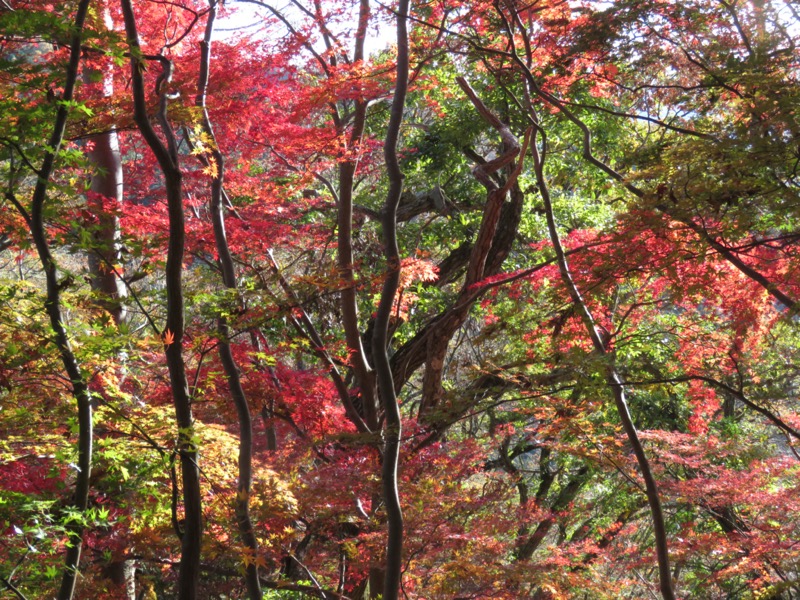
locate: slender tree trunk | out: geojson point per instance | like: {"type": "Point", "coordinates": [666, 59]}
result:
{"type": "Point", "coordinates": [380, 342]}
{"type": "Point", "coordinates": [105, 257]}
{"type": "Point", "coordinates": [229, 365]}
{"type": "Point", "coordinates": [614, 382]}
{"type": "Point", "coordinates": [365, 377]}
{"type": "Point", "coordinates": [167, 157]}
{"type": "Point", "coordinates": [305, 326]}
{"type": "Point", "coordinates": [80, 391]}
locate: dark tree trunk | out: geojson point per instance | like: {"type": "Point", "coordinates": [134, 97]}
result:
{"type": "Point", "coordinates": [167, 157]}
{"type": "Point", "coordinates": [380, 341]}
{"type": "Point", "coordinates": [364, 376]}
{"type": "Point", "coordinates": [244, 523]}
{"type": "Point", "coordinates": [614, 382]}
{"type": "Point", "coordinates": [80, 391]}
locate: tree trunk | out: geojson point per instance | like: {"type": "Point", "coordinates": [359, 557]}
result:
{"type": "Point", "coordinates": [123, 574]}
{"type": "Point", "coordinates": [107, 185]}
{"type": "Point", "coordinates": [244, 523]}
{"type": "Point", "coordinates": [80, 391]}
{"type": "Point", "coordinates": [614, 382]}
{"type": "Point", "coordinates": [167, 157]}
{"type": "Point", "coordinates": [380, 341]}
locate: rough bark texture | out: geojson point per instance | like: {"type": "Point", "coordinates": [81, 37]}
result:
{"type": "Point", "coordinates": [123, 574]}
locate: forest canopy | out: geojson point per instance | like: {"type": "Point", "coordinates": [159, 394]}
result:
{"type": "Point", "coordinates": [346, 299]}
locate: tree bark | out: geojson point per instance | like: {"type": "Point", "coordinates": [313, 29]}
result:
{"type": "Point", "coordinates": [614, 381]}
{"type": "Point", "coordinates": [53, 307]}
{"type": "Point", "coordinates": [167, 157]}
{"type": "Point", "coordinates": [107, 182]}
{"type": "Point", "coordinates": [244, 523]}
{"type": "Point", "coordinates": [438, 337]}
{"type": "Point", "coordinates": [380, 341]}
{"type": "Point", "coordinates": [365, 378]}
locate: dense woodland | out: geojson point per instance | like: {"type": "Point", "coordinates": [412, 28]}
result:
{"type": "Point", "coordinates": [346, 299]}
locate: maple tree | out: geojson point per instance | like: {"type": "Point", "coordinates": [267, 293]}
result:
{"type": "Point", "coordinates": [499, 306]}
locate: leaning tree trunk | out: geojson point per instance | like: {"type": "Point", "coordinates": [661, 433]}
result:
{"type": "Point", "coordinates": [614, 382]}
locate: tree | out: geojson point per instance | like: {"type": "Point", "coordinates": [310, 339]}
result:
{"type": "Point", "coordinates": [34, 218]}
{"type": "Point", "coordinates": [514, 297]}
